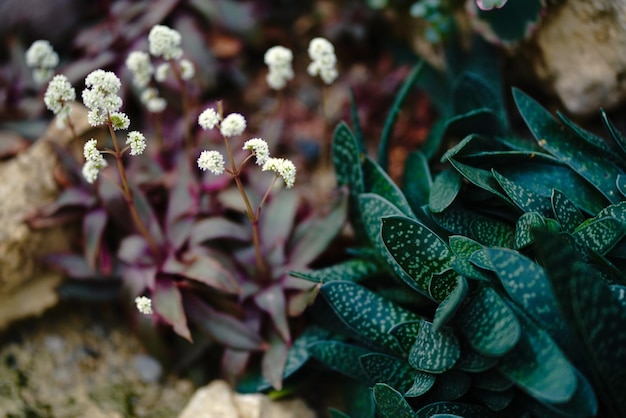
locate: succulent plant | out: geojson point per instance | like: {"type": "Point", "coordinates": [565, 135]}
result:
{"type": "Point", "coordinates": [496, 289]}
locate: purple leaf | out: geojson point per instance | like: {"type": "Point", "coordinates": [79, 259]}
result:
{"type": "Point", "coordinates": [203, 268]}
{"type": "Point", "coordinates": [234, 363]}
{"type": "Point", "coordinates": [147, 215]}
{"type": "Point", "coordinates": [225, 329]}
{"type": "Point", "coordinates": [134, 250]}
{"type": "Point", "coordinates": [272, 301]}
{"type": "Point", "coordinates": [179, 231]}
{"type": "Point", "coordinates": [167, 303]}
{"type": "Point", "coordinates": [72, 197]}
{"type": "Point", "coordinates": [182, 199]}
{"type": "Point", "coordinates": [276, 223]}
{"type": "Point", "coordinates": [93, 228]}
{"type": "Point", "coordinates": [74, 265]}
{"type": "Point", "coordinates": [138, 279]}
{"type": "Point", "coordinates": [218, 227]}
{"type": "Point", "coordinates": [274, 360]}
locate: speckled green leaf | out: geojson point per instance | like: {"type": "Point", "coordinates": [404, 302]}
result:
{"type": "Point", "coordinates": [406, 334]}
{"type": "Point", "coordinates": [442, 284]}
{"type": "Point", "coordinates": [444, 190]}
{"type": "Point", "coordinates": [496, 401]}
{"type": "Point", "coordinates": [456, 220]}
{"type": "Point", "coordinates": [416, 249]}
{"type": "Point", "coordinates": [492, 232]}
{"type": "Point", "coordinates": [583, 403]}
{"type": "Point", "coordinates": [356, 122]}
{"type": "Point", "coordinates": [450, 385]}
{"type": "Point", "coordinates": [365, 313]}
{"type": "Point", "coordinates": [472, 361]}
{"type": "Point", "coordinates": [601, 235]}
{"type": "Point", "coordinates": [621, 184]}
{"type": "Point", "coordinates": [617, 211]}
{"type": "Point", "coordinates": [480, 259]}
{"type": "Point", "coordinates": [347, 159]}
{"type": "Point", "coordinates": [416, 180]}
{"type": "Point", "coordinates": [390, 403]}
{"type": "Point", "coordinates": [615, 133]}
{"type": "Point", "coordinates": [483, 120]}
{"type": "Point", "coordinates": [340, 357]}
{"type": "Point", "coordinates": [592, 139]}
{"type": "Point", "coordinates": [450, 305]}
{"type": "Point", "coordinates": [526, 227]}
{"type": "Point", "coordinates": [565, 211]}
{"type": "Point", "coordinates": [538, 366]}
{"type": "Point", "coordinates": [353, 270]}
{"type": "Point", "coordinates": [620, 293]}
{"type": "Point", "coordinates": [378, 182]}
{"type": "Point", "coordinates": [422, 384]}
{"type": "Point", "coordinates": [524, 199]}
{"type": "Point", "coordinates": [456, 408]}
{"type": "Point", "coordinates": [474, 91]}
{"type": "Point", "coordinates": [463, 246]}
{"type": "Point", "coordinates": [488, 323]}
{"type": "Point", "coordinates": [479, 178]}
{"type": "Point", "coordinates": [434, 351]}
{"type": "Point", "coordinates": [383, 368]}
{"type": "Point", "coordinates": [488, 158]}
{"type": "Point", "coordinates": [464, 267]}
{"type": "Point", "coordinates": [575, 153]}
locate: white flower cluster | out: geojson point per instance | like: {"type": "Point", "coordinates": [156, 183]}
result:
{"type": "Point", "coordinates": [232, 125]}
{"type": "Point", "coordinates": [260, 149]}
{"type": "Point", "coordinates": [278, 59]}
{"type": "Point", "coordinates": [42, 58]}
{"type": "Point", "coordinates": [139, 64]}
{"type": "Point", "coordinates": [144, 305]}
{"type": "Point", "coordinates": [94, 161]}
{"type": "Point", "coordinates": [283, 168]}
{"type": "Point", "coordinates": [137, 142]}
{"type": "Point", "coordinates": [57, 97]}
{"type": "Point", "coordinates": [153, 102]}
{"type": "Point", "coordinates": [165, 42]}
{"type": "Point", "coordinates": [322, 54]}
{"type": "Point", "coordinates": [100, 97]}
{"type": "Point", "coordinates": [212, 161]}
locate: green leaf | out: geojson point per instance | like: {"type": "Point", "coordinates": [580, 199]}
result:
{"type": "Point", "coordinates": [356, 124]}
{"type": "Point", "coordinates": [352, 270]}
{"type": "Point", "coordinates": [450, 305]}
{"type": "Point", "coordinates": [442, 284]}
{"type": "Point", "coordinates": [378, 182]}
{"type": "Point", "coordinates": [565, 211]}
{"type": "Point", "coordinates": [495, 400]}
{"type": "Point", "coordinates": [456, 408]}
{"type": "Point", "coordinates": [347, 159]}
{"type": "Point", "coordinates": [615, 133]}
{"type": "Point", "coordinates": [488, 323]}
{"type": "Point", "coordinates": [416, 180]}
{"type": "Point", "coordinates": [456, 220]}
{"type": "Point", "coordinates": [416, 249]}
{"type": "Point", "coordinates": [383, 147]}
{"type": "Point", "coordinates": [390, 403]}
{"type": "Point", "coordinates": [334, 413]}
{"type": "Point", "coordinates": [538, 366]}
{"type": "Point", "coordinates": [491, 379]}
{"type": "Point", "coordinates": [473, 91]}
{"type": "Point", "coordinates": [450, 385]}
{"type": "Point", "coordinates": [472, 361]}
{"type": "Point", "coordinates": [462, 246]}
{"type": "Point", "coordinates": [464, 267]}
{"type": "Point", "coordinates": [393, 371]}
{"type": "Point", "coordinates": [617, 211]}
{"type": "Point", "coordinates": [367, 315]}
{"type": "Point", "coordinates": [405, 334]}
{"type": "Point", "coordinates": [492, 232]}
{"type": "Point", "coordinates": [582, 404]}
{"type": "Point", "coordinates": [621, 184]}
{"type": "Point", "coordinates": [340, 357]}
{"type": "Point", "coordinates": [569, 149]}
{"type": "Point", "coordinates": [524, 199]}
{"type": "Point", "coordinates": [601, 234]}
{"type": "Point", "coordinates": [483, 120]}
{"type": "Point", "coordinates": [422, 384]}
{"type": "Point", "coordinates": [434, 351]}
{"type": "Point", "coordinates": [592, 139]}
{"type": "Point", "coordinates": [167, 304]}
{"type": "Point", "coordinates": [527, 226]}
{"type": "Point", "coordinates": [480, 178]}
{"type": "Point", "coordinates": [513, 22]}
{"type": "Point", "coordinates": [444, 190]}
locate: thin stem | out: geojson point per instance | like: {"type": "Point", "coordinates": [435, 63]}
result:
{"type": "Point", "coordinates": [186, 107]}
{"type": "Point", "coordinates": [265, 196]}
{"type": "Point", "coordinates": [128, 196]}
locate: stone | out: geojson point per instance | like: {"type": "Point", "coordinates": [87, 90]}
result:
{"type": "Point", "coordinates": [577, 52]}
{"type": "Point", "coordinates": [211, 401]}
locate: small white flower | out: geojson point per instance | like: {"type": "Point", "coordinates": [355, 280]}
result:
{"type": "Point", "coordinates": [323, 58]}
{"type": "Point", "coordinates": [164, 42]}
{"type": "Point", "coordinates": [260, 149]}
{"type": "Point", "coordinates": [137, 142]}
{"type": "Point", "coordinates": [42, 75]}
{"type": "Point", "coordinates": [41, 55]}
{"type": "Point", "coordinates": [58, 94]}
{"type": "Point", "coordinates": [96, 117]}
{"type": "Point", "coordinates": [212, 161]}
{"type": "Point", "coordinates": [209, 119]}
{"type": "Point", "coordinates": [156, 105]}
{"type": "Point", "coordinates": [282, 167]}
{"type": "Point", "coordinates": [144, 305]}
{"type": "Point", "coordinates": [138, 62]}
{"type": "Point", "coordinates": [278, 59]}
{"type": "Point", "coordinates": [100, 96]}
{"type": "Point", "coordinates": [119, 120]}
{"type": "Point", "coordinates": [90, 151]}
{"type": "Point", "coordinates": [233, 125]}
{"type": "Point", "coordinates": [92, 168]}
{"type": "Point", "coordinates": [329, 75]}
{"type": "Point", "coordinates": [161, 72]}
{"type": "Point", "coordinates": [187, 69]}
{"type": "Point", "coordinates": [318, 47]}
{"type": "Point", "coordinates": [278, 56]}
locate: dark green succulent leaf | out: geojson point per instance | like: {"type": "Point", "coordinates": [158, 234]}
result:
{"type": "Point", "coordinates": [592, 139]}
{"type": "Point", "coordinates": [347, 159]}
{"type": "Point", "coordinates": [378, 182]}
{"type": "Point", "coordinates": [416, 249]}
{"type": "Point", "coordinates": [524, 199]}
{"type": "Point", "coordinates": [390, 403]}
{"type": "Point", "coordinates": [470, 144]}
{"type": "Point", "coordinates": [422, 384]}
{"type": "Point", "coordinates": [480, 259]}
{"type": "Point", "coordinates": [463, 246]}
{"type": "Point", "coordinates": [620, 183]}
{"type": "Point", "coordinates": [416, 180]}
{"type": "Point", "coordinates": [620, 292]}
{"type": "Point", "coordinates": [340, 357]}
{"type": "Point", "coordinates": [513, 22]}
{"type": "Point", "coordinates": [356, 123]}
{"type": "Point", "coordinates": [594, 313]}
{"type": "Point", "coordinates": [583, 403]}
{"type": "Point", "coordinates": [366, 314]}
{"type": "Point", "coordinates": [617, 211]}
{"type": "Point", "coordinates": [488, 159]}
{"type": "Point", "coordinates": [565, 211]}
{"type": "Point", "coordinates": [492, 380]}
{"type": "Point", "coordinates": [405, 334]}
{"type": "Point", "coordinates": [567, 147]}
{"type": "Point", "coordinates": [393, 371]}
{"type": "Point", "coordinates": [442, 284]}
{"type": "Point", "coordinates": [473, 91]}
{"type": "Point", "coordinates": [472, 361]}
{"type": "Point", "coordinates": [483, 120]}
{"type": "Point", "coordinates": [527, 226]}
{"type": "Point", "coordinates": [383, 147]}
{"type": "Point", "coordinates": [601, 234]}
{"type": "Point", "coordinates": [168, 305]}
{"type": "Point", "coordinates": [451, 304]}
{"type": "Point", "coordinates": [444, 190]}
{"type": "Point", "coordinates": [334, 413]}
{"type": "Point", "coordinates": [496, 401]}
{"type": "Point", "coordinates": [449, 386]}
{"type": "Point", "coordinates": [354, 270]}
{"type": "Point", "coordinates": [359, 399]}
{"type": "Point", "coordinates": [615, 133]}
{"type": "Point", "coordinates": [432, 143]}
{"type": "Point", "coordinates": [480, 178]}
{"type": "Point", "coordinates": [488, 323]}
{"type": "Point", "coordinates": [456, 220]}
{"type": "Point", "coordinates": [455, 408]}
{"type": "Point", "coordinates": [464, 267]}
{"type": "Point", "coordinates": [434, 351]}
{"type": "Point", "coordinates": [538, 366]}
{"type": "Point", "coordinates": [492, 232]}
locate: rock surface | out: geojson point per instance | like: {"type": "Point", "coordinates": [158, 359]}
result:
{"type": "Point", "coordinates": [580, 55]}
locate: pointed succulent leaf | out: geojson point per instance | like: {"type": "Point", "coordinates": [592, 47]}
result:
{"type": "Point", "coordinates": [620, 183]}
{"type": "Point", "coordinates": [592, 139]}
{"type": "Point", "coordinates": [94, 224]}
{"type": "Point", "coordinates": [582, 404]}
{"type": "Point", "coordinates": [405, 334]}
{"type": "Point", "coordinates": [463, 246]}
{"type": "Point", "coordinates": [492, 232]}
{"type": "Point", "coordinates": [354, 270]}
{"type": "Point", "coordinates": [347, 159]}
{"type": "Point", "coordinates": [366, 314]}
{"type": "Point", "coordinates": [601, 235]}
{"type": "Point", "coordinates": [538, 367]}
{"type": "Point", "coordinates": [488, 323]}
{"type": "Point", "coordinates": [340, 357]}
{"type": "Point", "coordinates": [272, 301]}
{"type": "Point", "coordinates": [455, 408]}
{"type": "Point", "coordinates": [276, 223]}
{"type": "Point", "coordinates": [473, 91]}
{"type": "Point", "coordinates": [494, 400]}
{"type": "Point", "coordinates": [204, 269]}
{"type": "Point", "coordinates": [416, 249]}
{"type": "Point", "coordinates": [451, 304]}
{"type": "Point", "coordinates": [617, 136]}
{"type": "Point", "coordinates": [617, 211]}
{"type": "Point", "coordinates": [472, 361]}
{"type": "Point", "coordinates": [378, 182]}
{"type": "Point", "coordinates": [422, 384]}
{"type": "Point", "coordinates": [444, 190]}
{"type": "Point", "coordinates": [168, 305]}
{"type": "Point", "coordinates": [218, 227]}
{"type": "Point", "coordinates": [356, 122]}
{"type": "Point", "coordinates": [442, 284]}
{"type": "Point", "coordinates": [480, 178]}
{"type": "Point", "coordinates": [527, 226]}
{"type": "Point", "coordinates": [456, 220]}
{"type": "Point", "coordinates": [482, 120]}
{"type": "Point", "coordinates": [416, 180]}
{"type": "Point", "coordinates": [390, 403]}
{"type": "Point", "coordinates": [575, 153]}
{"type": "Point", "coordinates": [450, 385]}
{"type": "Point", "coordinates": [488, 159]}
{"type": "Point", "coordinates": [464, 267]}
{"type": "Point", "coordinates": [524, 199]}
{"type": "Point", "coordinates": [383, 368]}
{"type": "Point", "coordinates": [565, 211]}
{"type": "Point", "coordinates": [434, 351]}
